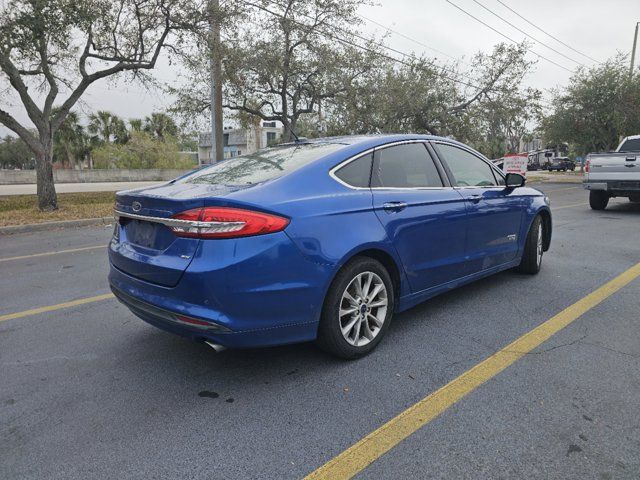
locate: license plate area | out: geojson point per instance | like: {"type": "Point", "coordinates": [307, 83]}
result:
{"type": "Point", "coordinates": [147, 234]}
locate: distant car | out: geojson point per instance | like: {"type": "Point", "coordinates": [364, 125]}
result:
{"type": "Point", "coordinates": [561, 164]}
{"type": "Point", "coordinates": [321, 240]}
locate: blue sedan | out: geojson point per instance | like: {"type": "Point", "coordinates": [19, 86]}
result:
{"type": "Point", "coordinates": [320, 240]}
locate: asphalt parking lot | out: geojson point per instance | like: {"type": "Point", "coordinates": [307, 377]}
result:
{"type": "Point", "coordinates": [89, 391]}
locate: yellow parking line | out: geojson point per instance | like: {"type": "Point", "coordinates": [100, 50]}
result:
{"type": "Point", "coordinates": [59, 306]}
{"type": "Point", "coordinates": [71, 250]}
{"type": "Point", "coordinates": [357, 457]}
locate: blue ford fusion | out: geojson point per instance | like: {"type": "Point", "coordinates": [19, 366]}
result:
{"type": "Point", "coordinates": [320, 240]}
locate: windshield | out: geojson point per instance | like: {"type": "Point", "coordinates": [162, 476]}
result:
{"type": "Point", "coordinates": [262, 165]}
{"type": "Point", "coordinates": [631, 145]}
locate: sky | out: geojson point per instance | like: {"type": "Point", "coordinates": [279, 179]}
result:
{"type": "Point", "coordinates": [596, 28]}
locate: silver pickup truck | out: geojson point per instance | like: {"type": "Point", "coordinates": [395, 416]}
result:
{"type": "Point", "coordinates": [613, 174]}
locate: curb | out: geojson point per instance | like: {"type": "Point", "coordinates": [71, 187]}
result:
{"type": "Point", "coordinates": [41, 227]}
{"type": "Point", "coordinates": [559, 178]}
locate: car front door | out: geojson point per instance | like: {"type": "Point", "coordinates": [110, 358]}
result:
{"type": "Point", "coordinates": [494, 212]}
{"type": "Point", "coordinates": [425, 218]}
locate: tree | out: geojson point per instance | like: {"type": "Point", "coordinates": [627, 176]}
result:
{"type": "Point", "coordinates": [51, 48]}
{"type": "Point", "coordinates": [14, 153]}
{"type": "Point", "coordinates": [598, 107]}
{"type": "Point", "coordinates": [487, 106]}
{"type": "Point", "coordinates": [107, 127]}
{"type": "Point", "coordinates": [135, 125]}
{"type": "Point", "coordinates": [290, 58]}
{"type": "Point", "coordinates": [141, 151]}
{"type": "Point", "coordinates": [70, 142]}
{"type": "Point", "coordinates": [160, 125]}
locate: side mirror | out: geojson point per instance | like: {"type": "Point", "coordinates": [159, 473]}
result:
{"type": "Point", "coordinates": [514, 180]}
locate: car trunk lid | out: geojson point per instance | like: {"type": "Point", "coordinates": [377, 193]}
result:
{"type": "Point", "coordinates": [146, 248]}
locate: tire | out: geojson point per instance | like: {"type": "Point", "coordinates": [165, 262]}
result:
{"type": "Point", "coordinates": [598, 200]}
{"type": "Point", "coordinates": [533, 248]}
{"type": "Point", "coordinates": [367, 329]}
{"type": "Point", "coordinates": [634, 198]}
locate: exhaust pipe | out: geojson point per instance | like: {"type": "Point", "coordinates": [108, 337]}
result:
{"type": "Point", "coordinates": [217, 347]}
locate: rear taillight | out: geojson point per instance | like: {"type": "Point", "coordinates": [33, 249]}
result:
{"type": "Point", "coordinates": [223, 222]}
{"type": "Point", "coordinates": [586, 166]}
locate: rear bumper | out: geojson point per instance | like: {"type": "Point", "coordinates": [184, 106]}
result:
{"type": "Point", "coordinates": [615, 187]}
{"type": "Point", "coordinates": [258, 291]}
{"type": "Point", "coordinates": [595, 185]}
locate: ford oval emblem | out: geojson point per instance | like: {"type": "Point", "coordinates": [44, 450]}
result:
{"type": "Point", "coordinates": [136, 206]}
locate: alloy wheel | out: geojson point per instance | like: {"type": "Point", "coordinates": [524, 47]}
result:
{"type": "Point", "coordinates": [363, 309]}
{"type": "Point", "coordinates": [539, 246]}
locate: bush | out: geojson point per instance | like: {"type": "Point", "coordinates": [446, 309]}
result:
{"type": "Point", "coordinates": [141, 151]}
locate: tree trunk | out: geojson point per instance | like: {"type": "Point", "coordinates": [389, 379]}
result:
{"type": "Point", "coordinates": [286, 131]}
{"type": "Point", "coordinates": [47, 198]}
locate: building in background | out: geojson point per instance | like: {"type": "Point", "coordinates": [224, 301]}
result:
{"type": "Point", "coordinates": [240, 141]}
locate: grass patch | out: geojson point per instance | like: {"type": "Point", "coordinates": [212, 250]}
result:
{"type": "Point", "coordinates": [23, 209]}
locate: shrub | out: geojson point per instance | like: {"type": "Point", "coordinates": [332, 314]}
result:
{"type": "Point", "coordinates": [141, 151]}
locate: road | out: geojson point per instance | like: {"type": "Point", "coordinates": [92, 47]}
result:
{"type": "Point", "coordinates": [90, 391]}
{"type": "Point", "coordinates": [30, 189]}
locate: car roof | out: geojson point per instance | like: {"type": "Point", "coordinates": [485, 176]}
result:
{"type": "Point", "coordinates": [375, 140]}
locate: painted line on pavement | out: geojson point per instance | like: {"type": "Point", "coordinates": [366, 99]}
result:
{"type": "Point", "coordinates": [56, 252]}
{"type": "Point", "coordinates": [59, 306]}
{"type": "Point", "coordinates": [366, 451]}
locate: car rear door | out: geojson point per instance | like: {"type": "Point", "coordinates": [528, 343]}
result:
{"type": "Point", "coordinates": [424, 217]}
{"type": "Point", "coordinates": [494, 212]}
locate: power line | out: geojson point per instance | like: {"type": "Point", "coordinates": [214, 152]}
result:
{"type": "Point", "coordinates": [545, 32]}
{"type": "Point", "coordinates": [364, 48]}
{"type": "Point", "coordinates": [381, 45]}
{"type": "Point", "coordinates": [409, 38]}
{"type": "Point", "coordinates": [507, 37]}
{"type": "Point", "coordinates": [525, 33]}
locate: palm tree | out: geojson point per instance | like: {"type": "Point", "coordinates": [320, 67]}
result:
{"type": "Point", "coordinates": [107, 127]}
{"type": "Point", "coordinates": [135, 125]}
{"type": "Point", "coordinates": [70, 143]}
{"type": "Point", "coordinates": [160, 125]}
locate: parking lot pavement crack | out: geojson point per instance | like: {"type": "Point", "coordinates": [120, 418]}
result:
{"type": "Point", "coordinates": [547, 350]}
{"type": "Point", "coordinates": [610, 349]}
{"type": "Point", "coordinates": [474, 341]}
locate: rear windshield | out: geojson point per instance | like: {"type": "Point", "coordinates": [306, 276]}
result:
{"type": "Point", "coordinates": [262, 165]}
{"type": "Point", "coordinates": [632, 145]}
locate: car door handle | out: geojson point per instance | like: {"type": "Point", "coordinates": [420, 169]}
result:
{"type": "Point", "coordinates": [394, 206]}
{"type": "Point", "coordinates": [475, 198]}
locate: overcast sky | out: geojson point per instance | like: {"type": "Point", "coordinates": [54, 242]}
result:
{"type": "Point", "coordinates": [596, 28]}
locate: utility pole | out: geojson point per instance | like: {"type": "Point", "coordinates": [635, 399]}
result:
{"type": "Point", "coordinates": [215, 68]}
{"type": "Point", "coordinates": [633, 51]}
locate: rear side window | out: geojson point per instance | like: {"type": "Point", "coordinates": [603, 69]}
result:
{"type": "Point", "coordinates": [632, 145]}
{"type": "Point", "coordinates": [356, 173]}
{"type": "Point", "coordinates": [404, 166]}
{"type": "Point", "coordinates": [262, 165]}
{"type": "Point", "coordinates": [468, 170]}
